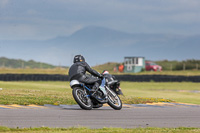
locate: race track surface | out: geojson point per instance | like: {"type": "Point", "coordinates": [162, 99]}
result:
{"type": "Point", "coordinates": [131, 116]}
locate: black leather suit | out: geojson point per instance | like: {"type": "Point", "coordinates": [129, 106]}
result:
{"type": "Point", "coordinates": [78, 72]}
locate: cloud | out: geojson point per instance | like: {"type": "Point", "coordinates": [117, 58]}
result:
{"type": "Point", "coordinates": [32, 12]}
{"type": "Point", "coordinates": [50, 18]}
{"type": "Point", "coordinates": [14, 28]}
{"type": "Point", "coordinates": [16, 32]}
{"type": "Point", "coordinates": [4, 3]}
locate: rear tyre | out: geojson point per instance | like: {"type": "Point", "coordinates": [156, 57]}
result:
{"type": "Point", "coordinates": [114, 101]}
{"type": "Point", "coordinates": [81, 98]}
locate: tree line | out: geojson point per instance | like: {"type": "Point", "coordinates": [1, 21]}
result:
{"type": "Point", "coordinates": [18, 63]}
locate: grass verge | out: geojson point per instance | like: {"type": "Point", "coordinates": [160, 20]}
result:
{"type": "Point", "coordinates": [55, 93]}
{"type": "Point", "coordinates": [143, 100]}
{"type": "Point", "coordinates": [103, 130]}
{"type": "Point", "coordinates": [64, 71]}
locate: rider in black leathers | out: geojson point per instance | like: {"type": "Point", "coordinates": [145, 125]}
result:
{"type": "Point", "coordinates": [78, 72]}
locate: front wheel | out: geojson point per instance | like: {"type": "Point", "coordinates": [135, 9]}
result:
{"type": "Point", "coordinates": [81, 98]}
{"type": "Point", "coordinates": [114, 101]}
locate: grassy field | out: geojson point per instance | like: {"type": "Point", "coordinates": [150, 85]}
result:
{"type": "Point", "coordinates": [33, 71]}
{"type": "Point", "coordinates": [103, 130]}
{"type": "Point", "coordinates": [40, 93]}
{"type": "Point", "coordinates": [64, 71]}
{"type": "Point", "coordinates": [183, 73]}
{"type": "Point", "coordinates": [186, 92]}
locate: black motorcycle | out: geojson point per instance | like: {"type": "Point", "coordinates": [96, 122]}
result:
{"type": "Point", "coordinates": [107, 93]}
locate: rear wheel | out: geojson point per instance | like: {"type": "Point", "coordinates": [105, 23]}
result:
{"type": "Point", "coordinates": [114, 101]}
{"type": "Point", "coordinates": [81, 98]}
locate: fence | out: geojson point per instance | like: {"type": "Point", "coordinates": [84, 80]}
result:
{"type": "Point", "coordinates": [132, 78]}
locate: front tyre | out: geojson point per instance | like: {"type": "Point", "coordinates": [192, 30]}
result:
{"type": "Point", "coordinates": [81, 98]}
{"type": "Point", "coordinates": [114, 101]}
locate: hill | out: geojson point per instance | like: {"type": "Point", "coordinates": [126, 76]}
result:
{"type": "Point", "coordinates": [180, 65]}
{"type": "Point", "coordinates": [100, 45]}
{"type": "Point", "coordinates": [167, 65]}
{"type": "Point", "coordinates": [107, 66]}
{"type": "Point", "coordinates": [18, 63]}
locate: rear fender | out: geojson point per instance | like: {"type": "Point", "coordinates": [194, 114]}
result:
{"type": "Point", "coordinates": [74, 83]}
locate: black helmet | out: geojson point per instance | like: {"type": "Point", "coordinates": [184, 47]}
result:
{"type": "Point", "coordinates": [79, 58]}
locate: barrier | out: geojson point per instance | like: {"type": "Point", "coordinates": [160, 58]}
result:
{"type": "Point", "coordinates": [33, 77]}
{"type": "Point", "coordinates": [132, 78]}
{"type": "Point", "coordinates": [157, 78]}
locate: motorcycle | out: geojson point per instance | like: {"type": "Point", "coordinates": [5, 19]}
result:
{"type": "Point", "coordinates": [104, 94]}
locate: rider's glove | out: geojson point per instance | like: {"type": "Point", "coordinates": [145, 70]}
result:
{"type": "Point", "coordinates": [100, 76]}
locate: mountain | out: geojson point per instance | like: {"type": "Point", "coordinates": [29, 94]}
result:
{"type": "Point", "coordinates": [100, 37]}
{"type": "Point", "coordinates": [18, 63]}
{"type": "Point", "coordinates": [100, 45]}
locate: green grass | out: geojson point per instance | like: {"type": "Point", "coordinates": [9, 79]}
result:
{"type": "Point", "coordinates": [182, 73]}
{"type": "Point", "coordinates": [175, 73]}
{"type": "Point", "coordinates": [110, 67]}
{"type": "Point", "coordinates": [103, 130]}
{"type": "Point", "coordinates": [64, 71]}
{"type": "Point", "coordinates": [176, 91]}
{"type": "Point", "coordinates": [40, 93]}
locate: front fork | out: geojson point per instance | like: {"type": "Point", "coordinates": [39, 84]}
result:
{"type": "Point", "coordinates": [110, 94]}
{"type": "Point", "coordinates": [109, 91]}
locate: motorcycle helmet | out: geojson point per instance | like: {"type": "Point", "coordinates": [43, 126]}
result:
{"type": "Point", "coordinates": [79, 58]}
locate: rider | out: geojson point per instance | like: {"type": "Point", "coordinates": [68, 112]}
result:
{"type": "Point", "coordinates": [78, 72]}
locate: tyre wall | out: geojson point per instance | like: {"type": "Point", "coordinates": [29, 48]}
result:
{"type": "Point", "coordinates": [157, 78]}
{"type": "Point", "coordinates": [132, 78]}
{"type": "Point", "coordinates": [32, 77]}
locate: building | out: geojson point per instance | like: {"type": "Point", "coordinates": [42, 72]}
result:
{"type": "Point", "coordinates": [134, 64]}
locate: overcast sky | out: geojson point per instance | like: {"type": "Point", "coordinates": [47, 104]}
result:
{"type": "Point", "coordinates": [45, 19]}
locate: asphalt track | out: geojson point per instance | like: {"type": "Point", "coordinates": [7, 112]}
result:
{"type": "Point", "coordinates": [131, 116]}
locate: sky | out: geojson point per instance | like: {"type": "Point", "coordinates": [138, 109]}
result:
{"type": "Point", "coordinates": [47, 19]}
